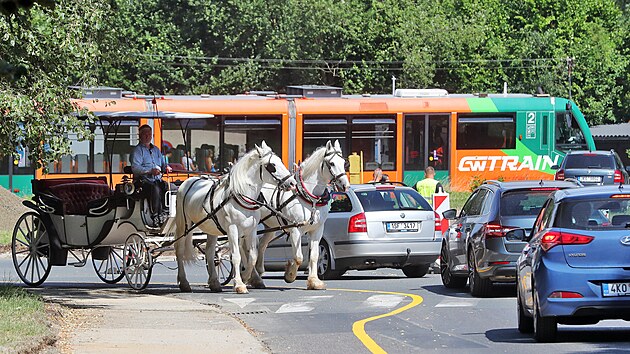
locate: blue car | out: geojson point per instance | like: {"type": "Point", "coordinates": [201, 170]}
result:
{"type": "Point", "coordinates": [575, 268]}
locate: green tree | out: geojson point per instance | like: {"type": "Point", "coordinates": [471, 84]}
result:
{"type": "Point", "coordinates": [53, 47]}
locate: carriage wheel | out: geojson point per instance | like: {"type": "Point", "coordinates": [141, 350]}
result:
{"type": "Point", "coordinates": [223, 262]}
{"type": "Point", "coordinates": [138, 262]}
{"type": "Point", "coordinates": [110, 269]}
{"type": "Point", "coordinates": [30, 248]}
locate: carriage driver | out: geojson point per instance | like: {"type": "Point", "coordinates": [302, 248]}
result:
{"type": "Point", "coordinates": [147, 165]}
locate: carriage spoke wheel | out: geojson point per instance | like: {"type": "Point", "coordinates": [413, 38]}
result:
{"type": "Point", "coordinates": [30, 248]}
{"type": "Point", "coordinates": [223, 263]}
{"type": "Point", "coordinates": [138, 262]}
{"type": "Point", "coordinates": [110, 269]}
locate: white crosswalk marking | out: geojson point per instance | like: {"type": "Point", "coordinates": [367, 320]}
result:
{"type": "Point", "coordinates": [295, 307]}
{"type": "Point", "coordinates": [317, 297]}
{"type": "Point", "coordinates": [241, 301]}
{"type": "Point", "coordinates": [383, 301]}
{"type": "Point", "coordinates": [458, 303]}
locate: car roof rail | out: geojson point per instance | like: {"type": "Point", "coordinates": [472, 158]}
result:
{"type": "Point", "coordinates": [492, 182]}
{"type": "Point", "coordinates": [574, 180]}
{"type": "Point", "coordinates": [388, 182]}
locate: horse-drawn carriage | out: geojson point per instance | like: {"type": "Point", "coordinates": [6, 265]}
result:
{"type": "Point", "coordinates": [83, 218]}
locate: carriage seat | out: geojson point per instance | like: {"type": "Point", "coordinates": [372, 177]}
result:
{"type": "Point", "coordinates": [76, 196]}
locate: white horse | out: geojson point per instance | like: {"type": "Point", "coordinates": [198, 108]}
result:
{"type": "Point", "coordinates": [306, 208]}
{"type": "Point", "coordinates": [226, 206]}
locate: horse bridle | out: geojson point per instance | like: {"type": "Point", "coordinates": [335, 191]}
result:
{"type": "Point", "coordinates": [271, 168]}
{"type": "Point", "coordinates": [336, 178]}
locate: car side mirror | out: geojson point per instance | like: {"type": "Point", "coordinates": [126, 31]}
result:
{"type": "Point", "coordinates": [555, 167]}
{"type": "Point", "coordinates": [450, 214]}
{"type": "Point", "coordinates": [516, 235]}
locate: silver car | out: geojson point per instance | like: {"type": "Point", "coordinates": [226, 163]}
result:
{"type": "Point", "coordinates": [371, 226]}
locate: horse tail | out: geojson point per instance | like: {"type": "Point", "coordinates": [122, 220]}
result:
{"type": "Point", "coordinates": [184, 249]}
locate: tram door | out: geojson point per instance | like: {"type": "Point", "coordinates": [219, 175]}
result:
{"type": "Point", "coordinates": [426, 144]}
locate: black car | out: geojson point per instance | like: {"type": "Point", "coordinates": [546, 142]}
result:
{"type": "Point", "coordinates": [593, 168]}
{"type": "Point", "coordinates": [475, 248]}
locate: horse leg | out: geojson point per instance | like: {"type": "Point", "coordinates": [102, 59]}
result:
{"type": "Point", "coordinates": [239, 286]}
{"type": "Point", "coordinates": [262, 247]}
{"type": "Point", "coordinates": [213, 278]}
{"type": "Point", "coordinates": [313, 282]}
{"type": "Point", "coordinates": [180, 254]}
{"type": "Point", "coordinates": [250, 251]}
{"type": "Point", "coordinates": [290, 272]}
{"type": "Point", "coordinates": [252, 277]}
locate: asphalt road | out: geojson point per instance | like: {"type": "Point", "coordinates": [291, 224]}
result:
{"type": "Point", "coordinates": [355, 314]}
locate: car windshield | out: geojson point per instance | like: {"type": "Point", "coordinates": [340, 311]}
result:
{"type": "Point", "coordinates": [523, 202]}
{"type": "Point", "coordinates": [598, 214]}
{"type": "Point", "coordinates": [589, 161]}
{"type": "Point", "coordinates": [392, 199]}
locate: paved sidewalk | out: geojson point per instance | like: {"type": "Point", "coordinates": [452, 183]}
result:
{"type": "Point", "coordinates": [132, 323]}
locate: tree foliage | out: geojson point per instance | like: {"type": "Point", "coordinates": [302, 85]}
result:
{"type": "Point", "coordinates": [53, 47]}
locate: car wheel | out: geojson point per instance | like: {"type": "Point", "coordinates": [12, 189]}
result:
{"type": "Point", "coordinates": [449, 280]}
{"type": "Point", "coordinates": [324, 263]}
{"type": "Point", "coordinates": [525, 323]}
{"type": "Point", "coordinates": [545, 328]}
{"type": "Point", "coordinates": [416, 271]}
{"type": "Point", "coordinates": [479, 287]}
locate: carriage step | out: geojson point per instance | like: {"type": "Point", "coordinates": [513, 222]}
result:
{"type": "Point", "coordinates": [78, 264]}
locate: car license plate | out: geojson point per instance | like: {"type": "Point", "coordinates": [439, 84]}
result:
{"type": "Point", "coordinates": [590, 179]}
{"type": "Point", "coordinates": [616, 289]}
{"type": "Point", "coordinates": [406, 226]}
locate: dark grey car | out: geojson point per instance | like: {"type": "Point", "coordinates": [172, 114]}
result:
{"type": "Point", "coordinates": [475, 248]}
{"type": "Point", "coordinates": [371, 226]}
{"type": "Point", "coordinates": [592, 168]}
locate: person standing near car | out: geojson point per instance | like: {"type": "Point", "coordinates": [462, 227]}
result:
{"type": "Point", "coordinates": [429, 185]}
{"type": "Point", "coordinates": [147, 165]}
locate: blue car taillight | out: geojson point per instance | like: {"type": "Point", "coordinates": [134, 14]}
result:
{"type": "Point", "coordinates": [554, 238]}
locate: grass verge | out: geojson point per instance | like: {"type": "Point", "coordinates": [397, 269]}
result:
{"type": "Point", "coordinates": [5, 238]}
{"type": "Point", "coordinates": [23, 321]}
{"type": "Point", "coordinates": [458, 199]}
{"type": "Point", "coordinates": [5, 241]}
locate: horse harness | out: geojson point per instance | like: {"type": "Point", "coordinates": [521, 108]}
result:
{"type": "Point", "coordinates": [242, 200]}
{"type": "Point", "coordinates": [300, 192]}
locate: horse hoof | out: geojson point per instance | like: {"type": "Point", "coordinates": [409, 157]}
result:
{"type": "Point", "coordinates": [290, 278]}
{"type": "Point", "coordinates": [241, 289]}
{"type": "Point", "coordinates": [185, 288]}
{"type": "Point", "coordinates": [215, 287]}
{"type": "Point", "coordinates": [315, 285]}
{"type": "Point", "coordinates": [258, 285]}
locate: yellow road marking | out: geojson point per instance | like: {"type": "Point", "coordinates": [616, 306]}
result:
{"type": "Point", "coordinates": [358, 328]}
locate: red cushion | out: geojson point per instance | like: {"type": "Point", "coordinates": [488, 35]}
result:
{"type": "Point", "coordinates": [75, 196]}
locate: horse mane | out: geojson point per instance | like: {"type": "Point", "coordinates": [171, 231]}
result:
{"type": "Point", "coordinates": [240, 173]}
{"type": "Point", "coordinates": [313, 162]}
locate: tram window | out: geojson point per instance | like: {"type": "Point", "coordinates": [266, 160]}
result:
{"type": "Point", "coordinates": [121, 138]}
{"type": "Point", "coordinates": [414, 143]}
{"type": "Point", "coordinates": [21, 166]}
{"type": "Point", "coordinates": [568, 133]}
{"type": "Point", "coordinates": [485, 132]}
{"type": "Point", "coordinates": [319, 129]}
{"type": "Point", "coordinates": [242, 132]}
{"type": "Point", "coordinates": [200, 144]}
{"type": "Point", "coordinates": [376, 138]}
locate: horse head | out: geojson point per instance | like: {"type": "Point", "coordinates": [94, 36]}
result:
{"type": "Point", "coordinates": [277, 173]}
{"type": "Point", "coordinates": [336, 163]}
